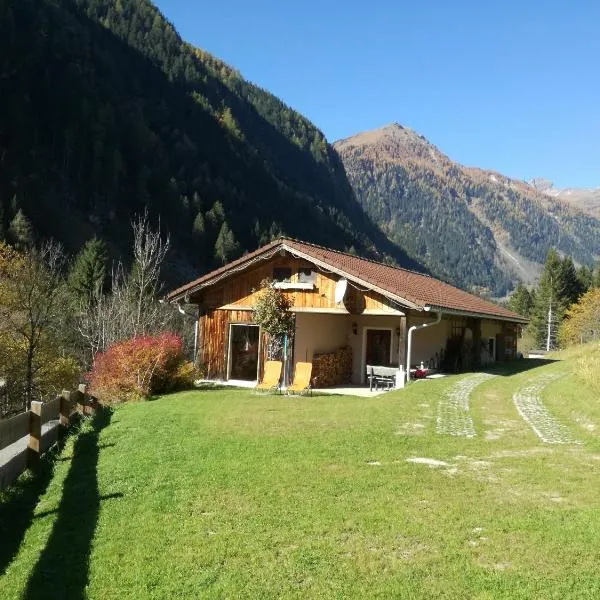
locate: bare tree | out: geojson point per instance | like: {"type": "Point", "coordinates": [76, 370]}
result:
{"type": "Point", "coordinates": [131, 308]}
{"type": "Point", "coordinates": [149, 252]}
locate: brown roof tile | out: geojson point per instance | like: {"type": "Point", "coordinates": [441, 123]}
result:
{"type": "Point", "coordinates": [417, 289]}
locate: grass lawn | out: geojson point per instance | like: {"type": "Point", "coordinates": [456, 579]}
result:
{"type": "Point", "coordinates": [227, 494]}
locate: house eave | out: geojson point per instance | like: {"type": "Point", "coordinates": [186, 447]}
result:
{"type": "Point", "coordinates": [186, 293]}
{"type": "Point", "coordinates": [477, 315]}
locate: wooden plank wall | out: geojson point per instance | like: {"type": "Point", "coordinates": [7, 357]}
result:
{"type": "Point", "coordinates": [214, 339]}
{"type": "Point", "coordinates": [213, 335]}
{"type": "Point", "coordinates": [241, 289]}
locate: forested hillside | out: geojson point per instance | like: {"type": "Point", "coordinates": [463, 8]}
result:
{"type": "Point", "coordinates": [476, 228]}
{"type": "Point", "coordinates": [106, 111]}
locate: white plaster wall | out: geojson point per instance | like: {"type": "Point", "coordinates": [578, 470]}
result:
{"type": "Point", "coordinates": [317, 333]}
{"type": "Point", "coordinates": [358, 341]}
{"type": "Point", "coordinates": [426, 342]}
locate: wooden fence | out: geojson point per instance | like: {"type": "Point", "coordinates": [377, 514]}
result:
{"type": "Point", "coordinates": [25, 437]}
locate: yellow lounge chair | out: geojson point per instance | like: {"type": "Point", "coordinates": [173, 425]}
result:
{"type": "Point", "coordinates": [271, 376]}
{"type": "Point", "coordinates": [302, 376]}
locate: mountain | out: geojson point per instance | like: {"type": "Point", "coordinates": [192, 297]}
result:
{"type": "Point", "coordinates": [585, 199]}
{"type": "Point", "coordinates": [474, 227]}
{"type": "Point", "coordinates": [105, 111]}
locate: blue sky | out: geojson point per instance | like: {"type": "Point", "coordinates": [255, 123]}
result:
{"type": "Point", "coordinates": [511, 86]}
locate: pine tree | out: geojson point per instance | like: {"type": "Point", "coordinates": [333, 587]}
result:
{"type": "Point", "coordinates": [229, 121]}
{"type": "Point", "coordinates": [570, 286]}
{"type": "Point", "coordinates": [87, 277]}
{"type": "Point", "coordinates": [521, 301]}
{"type": "Point", "coordinates": [548, 310]}
{"type": "Point", "coordinates": [199, 226]}
{"type": "Point", "coordinates": [585, 276]}
{"type": "Point", "coordinates": [21, 231]}
{"type": "Point", "coordinates": [225, 247]}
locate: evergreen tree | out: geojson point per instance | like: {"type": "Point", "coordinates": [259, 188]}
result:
{"type": "Point", "coordinates": [549, 308]}
{"type": "Point", "coordinates": [521, 301]}
{"type": "Point", "coordinates": [199, 226]}
{"type": "Point", "coordinates": [570, 285]}
{"type": "Point", "coordinates": [21, 232]}
{"type": "Point", "coordinates": [585, 276]}
{"type": "Point", "coordinates": [87, 277]}
{"type": "Point", "coordinates": [225, 247]}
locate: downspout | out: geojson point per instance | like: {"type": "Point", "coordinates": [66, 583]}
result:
{"type": "Point", "coordinates": [196, 325]}
{"type": "Point", "coordinates": [410, 332]}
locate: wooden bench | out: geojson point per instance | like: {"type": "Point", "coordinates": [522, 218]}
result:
{"type": "Point", "coordinates": [381, 376]}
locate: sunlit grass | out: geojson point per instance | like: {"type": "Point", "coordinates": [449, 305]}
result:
{"type": "Point", "coordinates": [228, 494]}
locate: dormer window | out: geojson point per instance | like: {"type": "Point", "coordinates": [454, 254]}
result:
{"type": "Point", "coordinates": [282, 275]}
{"type": "Point", "coordinates": [287, 279]}
{"type": "Point", "coordinates": [306, 275]}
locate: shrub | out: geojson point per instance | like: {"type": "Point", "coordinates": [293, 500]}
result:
{"type": "Point", "coordinates": [140, 367]}
{"type": "Point", "coordinates": [582, 321]}
{"type": "Point", "coordinates": [588, 367]}
{"type": "Point", "coordinates": [272, 310]}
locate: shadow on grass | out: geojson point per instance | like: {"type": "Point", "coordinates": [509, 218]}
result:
{"type": "Point", "coordinates": [205, 386]}
{"type": "Point", "coordinates": [213, 387]}
{"type": "Point", "coordinates": [516, 366]}
{"type": "Point", "coordinates": [63, 566]}
{"type": "Point", "coordinates": [19, 502]}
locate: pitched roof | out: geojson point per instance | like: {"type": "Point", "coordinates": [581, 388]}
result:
{"type": "Point", "coordinates": [409, 288]}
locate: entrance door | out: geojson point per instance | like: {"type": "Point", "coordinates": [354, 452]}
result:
{"type": "Point", "coordinates": [243, 352]}
{"type": "Point", "coordinates": [379, 346]}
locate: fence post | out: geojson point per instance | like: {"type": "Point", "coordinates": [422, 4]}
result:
{"type": "Point", "coordinates": [34, 446]}
{"type": "Point", "coordinates": [83, 399]}
{"type": "Point", "coordinates": [65, 408]}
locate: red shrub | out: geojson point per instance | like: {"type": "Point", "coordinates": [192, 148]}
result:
{"type": "Point", "coordinates": [137, 368]}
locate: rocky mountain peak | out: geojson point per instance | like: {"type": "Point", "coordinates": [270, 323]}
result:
{"type": "Point", "coordinates": [394, 142]}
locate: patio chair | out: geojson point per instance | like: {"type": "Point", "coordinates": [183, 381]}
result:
{"type": "Point", "coordinates": [301, 383]}
{"type": "Point", "coordinates": [271, 377]}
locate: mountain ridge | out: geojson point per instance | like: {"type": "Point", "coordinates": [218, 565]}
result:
{"type": "Point", "coordinates": [585, 199]}
{"type": "Point", "coordinates": [445, 212]}
{"type": "Point", "coordinates": [108, 112]}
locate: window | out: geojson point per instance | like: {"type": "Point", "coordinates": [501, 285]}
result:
{"type": "Point", "coordinates": [303, 280]}
{"type": "Point", "coordinates": [306, 275]}
{"type": "Point", "coordinates": [282, 274]}
{"type": "Point", "coordinates": [457, 328]}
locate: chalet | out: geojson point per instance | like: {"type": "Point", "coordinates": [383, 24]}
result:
{"type": "Point", "coordinates": [350, 312]}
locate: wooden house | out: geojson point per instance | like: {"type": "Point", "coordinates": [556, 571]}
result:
{"type": "Point", "coordinates": [349, 312]}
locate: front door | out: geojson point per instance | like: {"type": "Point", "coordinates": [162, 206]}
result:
{"type": "Point", "coordinates": [243, 352]}
{"type": "Point", "coordinates": [379, 345]}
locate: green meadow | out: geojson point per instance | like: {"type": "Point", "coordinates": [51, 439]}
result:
{"type": "Point", "coordinates": [466, 486]}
